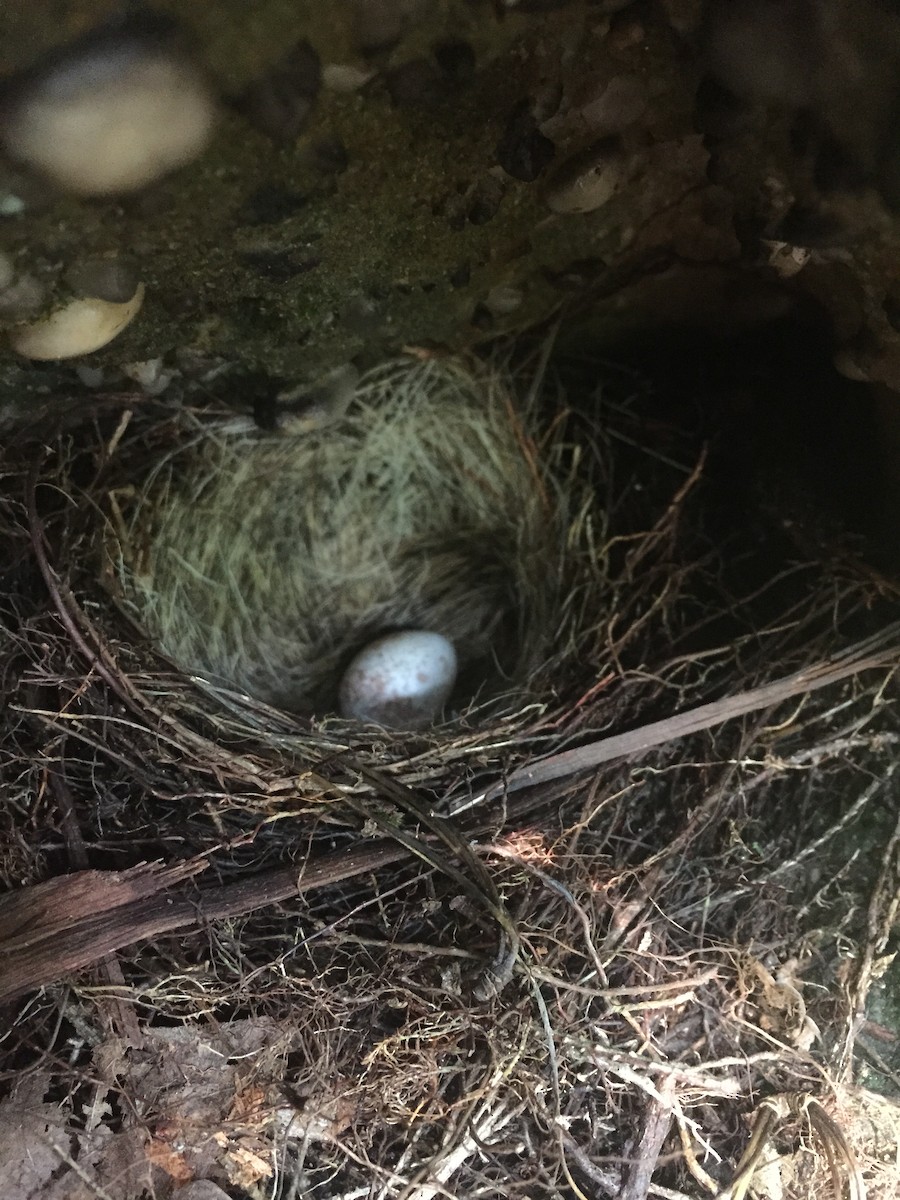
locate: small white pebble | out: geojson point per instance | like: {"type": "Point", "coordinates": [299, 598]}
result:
{"type": "Point", "coordinates": [504, 299]}
{"type": "Point", "coordinates": [149, 375]}
{"type": "Point", "coordinates": [110, 118]}
{"type": "Point", "coordinates": [344, 77]}
{"type": "Point", "coordinates": [21, 298]}
{"type": "Point", "coordinates": [11, 205]}
{"type": "Point", "coordinates": [400, 681]}
{"type": "Point", "coordinates": [589, 180]}
{"type": "Point", "coordinates": [787, 260]}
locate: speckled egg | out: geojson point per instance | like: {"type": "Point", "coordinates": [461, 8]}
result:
{"type": "Point", "coordinates": [400, 681]}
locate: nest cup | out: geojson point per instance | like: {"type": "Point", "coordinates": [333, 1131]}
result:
{"type": "Point", "coordinates": [263, 562]}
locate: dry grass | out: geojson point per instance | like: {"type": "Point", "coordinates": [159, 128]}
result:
{"type": "Point", "coordinates": [265, 562]}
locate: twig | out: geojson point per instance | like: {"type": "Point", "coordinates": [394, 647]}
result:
{"type": "Point", "coordinates": [883, 650]}
{"type": "Point", "coordinates": [881, 919]}
{"type": "Point", "coordinates": [837, 1149]}
{"type": "Point", "coordinates": [78, 1169]}
{"type": "Point", "coordinates": [767, 1116]}
{"type": "Point", "coordinates": [609, 1181]}
{"type": "Point", "coordinates": [489, 1122]}
{"type": "Point", "coordinates": [812, 850]}
{"type": "Point", "coordinates": [109, 965]}
{"type": "Point", "coordinates": [657, 1122]}
{"type": "Point", "coordinates": [44, 936]}
{"type": "Point", "coordinates": [703, 1178]}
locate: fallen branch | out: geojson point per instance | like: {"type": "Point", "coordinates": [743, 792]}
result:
{"type": "Point", "coordinates": [52, 929]}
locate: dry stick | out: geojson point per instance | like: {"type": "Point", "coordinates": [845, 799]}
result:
{"type": "Point", "coordinates": [837, 1150]}
{"type": "Point", "coordinates": [881, 920]}
{"type": "Point", "coordinates": [55, 588]}
{"type": "Point", "coordinates": [657, 1122]}
{"type": "Point", "coordinates": [90, 1184]}
{"type": "Point", "coordinates": [883, 650]}
{"type": "Point", "coordinates": [46, 933]}
{"type": "Point", "coordinates": [109, 965]}
{"type": "Point", "coordinates": [608, 1180]}
{"type": "Point", "coordinates": [767, 1116]}
{"type": "Point", "coordinates": [65, 924]}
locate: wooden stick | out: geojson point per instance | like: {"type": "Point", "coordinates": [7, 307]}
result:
{"type": "Point", "coordinates": [883, 650]}
{"type": "Point", "coordinates": [51, 929]}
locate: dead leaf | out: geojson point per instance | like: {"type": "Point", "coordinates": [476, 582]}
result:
{"type": "Point", "coordinates": [249, 1107]}
{"type": "Point", "coordinates": [28, 1126]}
{"type": "Point", "coordinates": [782, 1007]}
{"type": "Point", "coordinates": [246, 1168]}
{"type": "Point", "coordinates": [174, 1164]}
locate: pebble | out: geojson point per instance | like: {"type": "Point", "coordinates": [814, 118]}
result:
{"type": "Point", "coordinates": [109, 115]}
{"type": "Point", "coordinates": [589, 180]}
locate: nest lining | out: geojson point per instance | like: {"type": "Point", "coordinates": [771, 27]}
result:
{"type": "Point", "coordinates": [264, 562]}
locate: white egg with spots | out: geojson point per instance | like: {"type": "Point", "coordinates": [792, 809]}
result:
{"type": "Point", "coordinates": [400, 681]}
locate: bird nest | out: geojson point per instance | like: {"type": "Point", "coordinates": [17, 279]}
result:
{"type": "Point", "coordinates": [600, 931]}
{"type": "Point", "coordinates": [258, 563]}
{"type": "Point", "coordinates": [265, 562]}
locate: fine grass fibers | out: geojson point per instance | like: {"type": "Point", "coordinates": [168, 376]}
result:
{"type": "Point", "coordinates": [264, 561]}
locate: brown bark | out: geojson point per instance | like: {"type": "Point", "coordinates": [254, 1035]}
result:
{"type": "Point", "coordinates": [55, 928]}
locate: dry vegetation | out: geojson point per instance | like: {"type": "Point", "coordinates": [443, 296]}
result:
{"type": "Point", "coordinates": [529, 958]}
{"type": "Point", "coordinates": [265, 561]}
